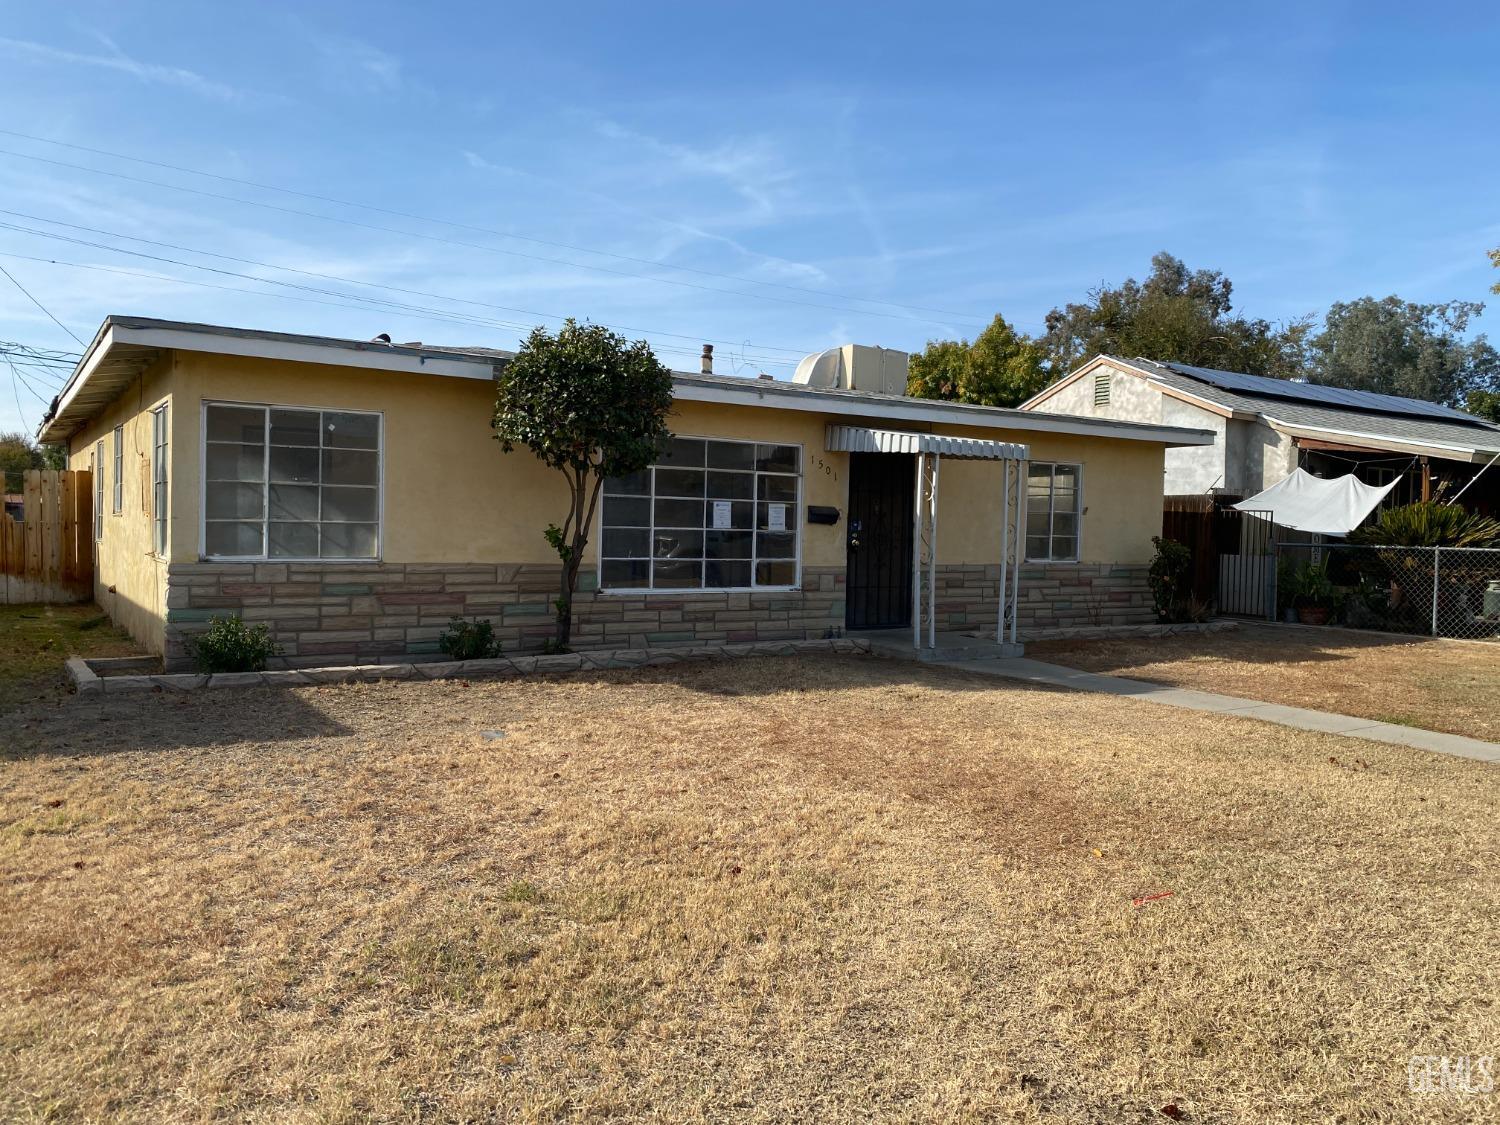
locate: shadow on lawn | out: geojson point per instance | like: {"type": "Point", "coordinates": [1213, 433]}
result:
{"type": "Point", "coordinates": [85, 727]}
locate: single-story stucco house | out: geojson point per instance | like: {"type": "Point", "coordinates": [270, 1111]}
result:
{"type": "Point", "coordinates": [351, 494]}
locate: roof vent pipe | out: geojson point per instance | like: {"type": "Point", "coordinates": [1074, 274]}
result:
{"type": "Point", "coordinates": [383, 338]}
{"type": "Point", "coordinates": [708, 359]}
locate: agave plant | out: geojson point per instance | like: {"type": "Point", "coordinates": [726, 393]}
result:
{"type": "Point", "coordinates": [1428, 524]}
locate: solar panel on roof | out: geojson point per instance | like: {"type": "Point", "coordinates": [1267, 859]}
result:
{"type": "Point", "coordinates": [1327, 396]}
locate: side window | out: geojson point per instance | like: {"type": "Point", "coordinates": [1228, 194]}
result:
{"type": "Point", "coordinates": [159, 479]}
{"type": "Point", "coordinates": [119, 477]}
{"type": "Point", "coordinates": [99, 490]}
{"type": "Point", "coordinates": [1053, 512]}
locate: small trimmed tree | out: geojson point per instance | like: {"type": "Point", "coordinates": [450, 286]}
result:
{"type": "Point", "coordinates": [591, 405]}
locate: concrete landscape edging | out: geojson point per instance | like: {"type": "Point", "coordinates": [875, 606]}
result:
{"type": "Point", "coordinates": [87, 681]}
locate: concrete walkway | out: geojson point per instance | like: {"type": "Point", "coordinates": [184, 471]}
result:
{"type": "Point", "coordinates": [1054, 675]}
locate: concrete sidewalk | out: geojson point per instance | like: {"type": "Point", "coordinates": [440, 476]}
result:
{"type": "Point", "coordinates": [1054, 675]}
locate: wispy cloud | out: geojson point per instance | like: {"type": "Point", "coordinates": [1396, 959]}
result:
{"type": "Point", "coordinates": [118, 60]}
{"type": "Point", "coordinates": [359, 66]}
{"type": "Point", "coordinates": [758, 266]}
{"type": "Point", "coordinates": [752, 167]}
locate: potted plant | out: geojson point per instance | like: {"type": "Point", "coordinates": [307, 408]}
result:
{"type": "Point", "coordinates": [1315, 594]}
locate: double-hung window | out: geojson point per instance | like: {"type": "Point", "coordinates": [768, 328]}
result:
{"type": "Point", "coordinates": [289, 483]}
{"type": "Point", "coordinates": [159, 479]}
{"type": "Point", "coordinates": [1053, 512]}
{"type": "Point", "coordinates": [99, 490]}
{"type": "Point", "coordinates": [119, 494]}
{"type": "Point", "coordinates": [709, 515]}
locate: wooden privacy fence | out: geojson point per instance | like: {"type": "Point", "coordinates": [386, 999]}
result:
{"type": "Point", "coordinates": [1190, 521]}
{"type": "Point", "coordinates": [48, 554]}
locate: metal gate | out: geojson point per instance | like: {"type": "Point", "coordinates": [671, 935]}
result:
{"type": "Point", "coordinates": [1247, 562]}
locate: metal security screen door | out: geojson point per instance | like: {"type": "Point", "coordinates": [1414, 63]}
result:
{"type": "Point", "coordinates": [1247, 564]}
{"type": "Point", "coordinates": [879, 583]}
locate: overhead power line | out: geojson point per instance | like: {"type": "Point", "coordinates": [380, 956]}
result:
{"type": "Point", "coordinates": [435, 316]}
{"type": "Point", "coordinates": [395, 305]}
{"type": "Point", "coordinates": [41, 306]}
{"type": "Point", "coordinates": [468, 245]}
{"type": "Point", "coordinates": [966, 317]}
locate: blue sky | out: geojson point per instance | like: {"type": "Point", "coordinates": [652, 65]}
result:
{"type": "Point", "coordinates": [773, 178]}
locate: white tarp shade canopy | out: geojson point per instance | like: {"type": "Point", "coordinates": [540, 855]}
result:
{"type": "Point", "coordinates": [1304, 502]}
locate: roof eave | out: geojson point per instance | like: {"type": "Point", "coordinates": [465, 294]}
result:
{"type": "Point", "coordinates": [776, 395]}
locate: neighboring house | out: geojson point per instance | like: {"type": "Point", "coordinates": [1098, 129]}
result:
{"type": "Point", "coordinates": [1265, 428]}
{"type": "Point", "coordinates": [352, 495]}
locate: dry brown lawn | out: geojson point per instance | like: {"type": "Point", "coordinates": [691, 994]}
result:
{"type": "Point", "coordinates": [1451, 686]}
{"type": "Point", "coordinates": [783, 889]}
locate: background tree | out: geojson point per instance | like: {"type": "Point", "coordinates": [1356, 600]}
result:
{"type": "Point", "coordinates": [19, 453]}
{"type": "Point", "coordinates": [1483, 404]}
{"type": "Point", "coordinates": [1397, 347]}
{"type": "Point", "coordinates": [1495, 261]}
{"type": "Point", "coordinates": [1002, 367]}
{"type": "Point", "coordinates": [592, 406]}
{"type": "Point", "coordinates": [1176, 315]}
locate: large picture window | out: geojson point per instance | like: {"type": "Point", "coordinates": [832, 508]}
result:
{"type": "Point", "coordinates": [1053, 511]}
{"type": "Point", "coordinates": [287, 483]}
{"type": "Point", "coordinates": [159, 479]}
{"type": "Point", "coordinates": [710, 515]}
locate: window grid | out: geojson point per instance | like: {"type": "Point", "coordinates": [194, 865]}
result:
{"type": "Point", "coordinates": [1045, 542]}
{"type": "Point", "coordinates": [119, 481]}
{"type": "Point", "coordinates": [763, 488]}
{"type": "Point", "coordinates": [268, 484]}
{"type": "Point", "coordinates": [159, 478]}
{"type": "Point", "coordinates": [99, 490]}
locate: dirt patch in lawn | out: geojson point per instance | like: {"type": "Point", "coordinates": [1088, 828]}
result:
{"type": "Point", "coordinates": [772, 889]}
{"type": "Point", "coordinates": [1451, 686]}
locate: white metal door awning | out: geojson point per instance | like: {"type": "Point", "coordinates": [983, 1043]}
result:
{"type": "Point", "coordinates": [929, 450]}
{"type": "Point", "coordinates": [863, 439]}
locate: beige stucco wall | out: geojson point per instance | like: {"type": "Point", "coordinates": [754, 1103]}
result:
{"type": "Point", "coordinates": [452, 496]}
{"type": "Point", "coordinates": [129, 577]}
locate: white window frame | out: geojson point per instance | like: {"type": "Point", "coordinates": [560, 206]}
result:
{"type": "Point", "coordinates": [203, 554]}
{"type": "Point", "coordinates": [99, 491]}
{"type": "Point", "coordinates": [686, 591]}
{"type": "Point", "coordinates": [118, 492]}
{"type": "Point", "coordinates": [1052, 511]}
{"type": "Point", "coordinates": [161, 452]}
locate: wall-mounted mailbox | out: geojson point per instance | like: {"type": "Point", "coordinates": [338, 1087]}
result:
{"type": "Point", "coordinates": [816, 513]}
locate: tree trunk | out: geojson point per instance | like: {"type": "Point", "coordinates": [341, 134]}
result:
{"type": "Point", "coordinates": [564, 607]}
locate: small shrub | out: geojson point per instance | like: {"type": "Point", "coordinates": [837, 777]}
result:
{"type": "Point", "coordinates": [1170, 577]}
{"type": "Point", "coordinates": [229, 645]}
{"type": "Point", "coordinates": [469, 640]}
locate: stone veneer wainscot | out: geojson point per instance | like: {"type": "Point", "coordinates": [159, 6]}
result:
{"type": "Point", "coordinates": [324, 613]}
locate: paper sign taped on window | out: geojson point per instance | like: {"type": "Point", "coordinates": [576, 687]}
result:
{"type": "Point", "coordinates": [776, 517]}
{"type": "Point", "coordinates": [721, 514]}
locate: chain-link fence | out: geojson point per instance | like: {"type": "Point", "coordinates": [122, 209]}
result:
{"type": "Point", "coordinates": [1433, 591]}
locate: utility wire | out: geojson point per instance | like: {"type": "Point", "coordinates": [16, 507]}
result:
{"type": "Point", "coordinates": [41, 306]}
{"type": "Point", "coordinates": [476, 229]}
{"type": "Point", "coordinates": [376, 301]}
{"type": "Point", "coordinates": [798, 351]}
{"type": "Point", "coordinates": [470, 245]}
{"type": "Point", "coordinates": [436, 316]}
{"type": "Point", "coordinates": [15, 387]}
